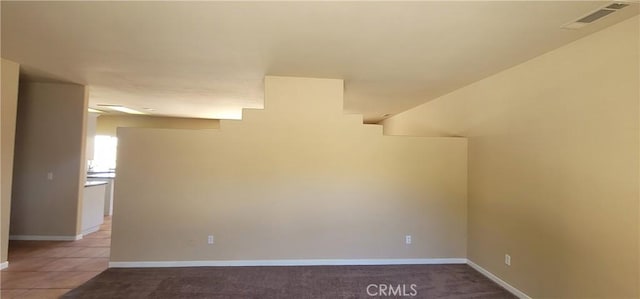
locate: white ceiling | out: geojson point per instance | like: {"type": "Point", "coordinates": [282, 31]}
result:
{"type": "Point", "coordinates": [208, 59]}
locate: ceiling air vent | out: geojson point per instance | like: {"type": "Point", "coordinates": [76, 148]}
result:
{"type": "Point", "coordinates": [617, 6]}
{"type": "Point", "coordinates": [595, 15]}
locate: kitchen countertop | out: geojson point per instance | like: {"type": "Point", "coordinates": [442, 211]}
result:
{"type": "Point", "coordinates": [95, 183]}
{"type": "Point", "coordinates": [101, 175]}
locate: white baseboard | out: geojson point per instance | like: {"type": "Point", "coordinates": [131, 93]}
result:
{"type": "Point", "coordinates": [44, 238]}
{"type": "Point", "coordinates": [91, 230]}
{"type": "Point", "coordinates": [4, 265]}
{"type": "Point", "coordinates": [499, 281]}
{"type": "Point", "coordinates": [312, 262]}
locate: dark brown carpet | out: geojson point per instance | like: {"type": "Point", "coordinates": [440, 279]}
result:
{"type": "Point", "coordinates": [431, 281]}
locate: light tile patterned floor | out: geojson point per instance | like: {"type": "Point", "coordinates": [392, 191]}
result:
{"type": "Point", "coordinates": [49, 269]}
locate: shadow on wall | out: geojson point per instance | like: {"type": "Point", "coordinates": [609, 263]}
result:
{"type": "Point", "coordinates": [297, 180]}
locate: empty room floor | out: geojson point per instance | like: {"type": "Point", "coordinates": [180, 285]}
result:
{"type": "Point", "coordinates": [49, 269]}
{"type": "Point", "coordinates": [419, 281]}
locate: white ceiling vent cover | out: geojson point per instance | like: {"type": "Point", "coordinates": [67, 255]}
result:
{"type": "Point", "coordinates": [595, 15]}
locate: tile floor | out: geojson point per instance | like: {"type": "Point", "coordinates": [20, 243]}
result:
{"type": "Point", "coordinates": [49, 269]}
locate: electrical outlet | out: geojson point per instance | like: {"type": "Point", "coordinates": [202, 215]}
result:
{"type": "Point", "coordinates": [507, 260]}
{"type": "Point", "coordinates": [50, 176]}
{"type": "Point", "coordinates": [407, 239]}
{"type": "Point", "coordinates": [210, 239]}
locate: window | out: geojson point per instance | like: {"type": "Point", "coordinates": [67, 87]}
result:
{"type": "Point", "coordinates": [104, 155]}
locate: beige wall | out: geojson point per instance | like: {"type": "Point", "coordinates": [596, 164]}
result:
{"type": "Point", "coordinates": [107, 124]}
{"type": "Point", "coordinates": [553, 166]}
{"type": "Point", "coordinates": [50, 138]}
{"type": "Point", "coordinates": [10, 78]}
{"type": "Point", "coordinates": [298, 180]}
